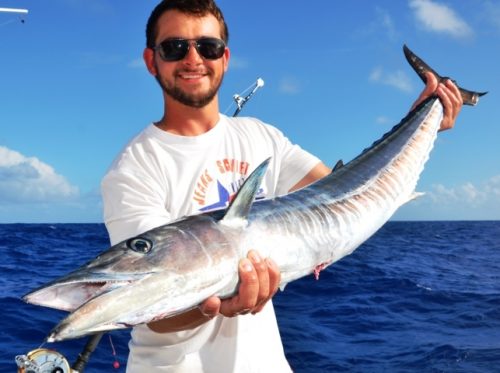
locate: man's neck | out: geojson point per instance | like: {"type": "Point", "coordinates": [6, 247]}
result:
{"type": "Point", "coordinates": [189, 121]}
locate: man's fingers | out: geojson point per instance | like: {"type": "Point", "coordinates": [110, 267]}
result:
{"type": "Point", "coordinates": [274, 282]}
{"type": "Point", "coordinates": [430, 87]}
{"type": "Point", "coordinates": [248, 291]}
{"type": "Point", "coordinates": [249, 286]}
{"type": "Point", "coordinates": [259, 281]}
{"type": "Point", "coordinates": [210, 308]}
{"type": "Point", "coordinates": [431, 84]}
{"type": "Point", "coordinates": [262, 270]}
{"type": "Point", "coordinates": [450, 97]}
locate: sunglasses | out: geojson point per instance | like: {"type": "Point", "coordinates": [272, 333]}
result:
{"type": "Point", "coordinates": [177, 49]}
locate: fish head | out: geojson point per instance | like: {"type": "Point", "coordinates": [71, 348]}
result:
{"type": "Point", "coordinates": [166, 249]}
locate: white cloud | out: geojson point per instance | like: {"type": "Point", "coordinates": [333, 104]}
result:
{"type": "Point", "coordinates": [397, 79]}
{"type": "Point", "coordinates": [482, 195]}
{"type": "Point", "coordinates": [468, 201]}
{"type": "Point", "coordinates": [385, 20]}
{"type": "Point", "coordinates": [440, 18]}
{"type": "Point", "coordinates": [381, 25]}
{"type": "Point", "coordinates": [100, 7]}
{"type": "Point", "coordinates": [28, 180]}
{"type": "Point", "coordinates": [289, 85]}
{"type": "Point", "coordinates": [237, 63]}
{"type": "Point", "coordinates": [137, 63]}
{"type": "Point", "coordinates": [89, 60]}
{"type": "Point", "coordinates": [492, 13]}
{"type": "Point", "coordinates": [382, 119]}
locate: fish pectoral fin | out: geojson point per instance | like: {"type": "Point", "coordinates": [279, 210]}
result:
{"type": "Point", "coordinates": [239, 207]}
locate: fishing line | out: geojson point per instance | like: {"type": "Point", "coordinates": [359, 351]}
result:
{"type": "Point", "coordinates": [7, 22]}
{"type": "Point", "coordinates": [116, 363]}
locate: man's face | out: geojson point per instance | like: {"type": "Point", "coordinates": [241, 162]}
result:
{"type": "Point", "coordinates": [194, 80]}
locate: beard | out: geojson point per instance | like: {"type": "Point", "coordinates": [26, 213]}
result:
{"type": "Point", "coordinates": [189, 99]}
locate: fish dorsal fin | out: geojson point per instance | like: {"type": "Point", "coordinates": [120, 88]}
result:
{"type": "Point", "coordinates": [239, 207]}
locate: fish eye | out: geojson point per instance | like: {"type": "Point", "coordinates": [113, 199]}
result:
{"type": "Point", "coordinates": [140, 245]}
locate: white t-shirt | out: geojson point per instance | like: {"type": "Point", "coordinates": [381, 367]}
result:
{"type": "Point", "coordinates": [160, 177]}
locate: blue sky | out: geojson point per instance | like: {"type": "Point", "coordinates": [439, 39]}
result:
{"type": "Point", "coordinates": [73, 91]}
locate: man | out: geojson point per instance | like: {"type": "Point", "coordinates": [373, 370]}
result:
{"type": "Point", "coordinates": [194, 159]}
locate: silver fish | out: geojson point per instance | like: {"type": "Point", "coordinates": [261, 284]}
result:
{"type": "Point", "coordinates": [173, 268]}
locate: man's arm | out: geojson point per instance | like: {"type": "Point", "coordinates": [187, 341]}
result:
{"type": "Point", "coordinates": [319, 171]}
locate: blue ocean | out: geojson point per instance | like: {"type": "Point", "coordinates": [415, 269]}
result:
{"type": "Point", "coordinates": [416, 297]}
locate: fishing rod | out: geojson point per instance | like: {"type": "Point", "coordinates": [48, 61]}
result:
{"type": "Point", "coordinates": [13, 10]}
{"type": "Point", "coordinates": [43, 360]}
{"type": "Point", "coordinates": [84, 356]}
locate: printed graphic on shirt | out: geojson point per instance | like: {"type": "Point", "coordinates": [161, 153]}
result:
{"type": "Point", "coordinates": [219, 183]}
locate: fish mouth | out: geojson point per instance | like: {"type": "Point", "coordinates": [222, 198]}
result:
{"type": "Point", "coordinates": [71, 291]}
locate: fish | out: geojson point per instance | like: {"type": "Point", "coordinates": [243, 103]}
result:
{"type": "Point", "coordinates": [171, 269]}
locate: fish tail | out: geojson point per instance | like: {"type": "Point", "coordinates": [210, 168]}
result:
{"type": "Point", "coordinates": [421, 68]}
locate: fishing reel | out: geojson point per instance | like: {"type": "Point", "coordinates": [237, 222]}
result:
{"type": "Point", "coordinates": [241, 101]}
{"type": "Point", "coordinates": [42, 360]}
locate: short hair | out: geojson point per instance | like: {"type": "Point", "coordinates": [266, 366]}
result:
{"type": "Point", "coordinates": [197, 8]}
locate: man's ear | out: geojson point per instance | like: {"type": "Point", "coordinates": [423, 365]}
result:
{"type": "Point", "coordinates": [227, 55]}
{"type": "Point", "coordinates": [149, 59]}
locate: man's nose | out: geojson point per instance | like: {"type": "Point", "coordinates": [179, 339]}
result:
{"type": "Point", "coordinates": [192, 55]}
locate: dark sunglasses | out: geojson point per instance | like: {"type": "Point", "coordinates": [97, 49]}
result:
{"type": "Point", "coordinates": [177, 49]}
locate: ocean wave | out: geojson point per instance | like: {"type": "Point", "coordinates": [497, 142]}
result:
{"type": "Point", "coordinates": [417, 296]}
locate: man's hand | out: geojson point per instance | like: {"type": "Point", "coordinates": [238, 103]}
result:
{"type": "Point", "coordinates": [449, 95]}
{"type": "Point", "coordinates": [259, 281]}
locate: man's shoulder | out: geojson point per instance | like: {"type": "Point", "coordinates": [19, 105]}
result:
{"type": "Point", "coordinates": [245, 121]}
{"type": "Point", "coordinates": [135, 151]}
{"type": "Point", "coordinates": [252, 125]}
